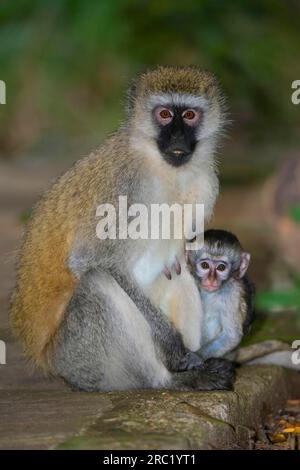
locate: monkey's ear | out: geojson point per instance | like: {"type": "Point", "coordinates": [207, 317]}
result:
{"type": "Point", "coordinates": [131, 96]}
{"type": "Point", "coordinates": [245, 260]}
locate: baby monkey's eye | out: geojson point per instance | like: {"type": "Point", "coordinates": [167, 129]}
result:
{"type": "Point", "coordinates": [204, 265]}
{"type": "Point", "coordinates": [221, 267]}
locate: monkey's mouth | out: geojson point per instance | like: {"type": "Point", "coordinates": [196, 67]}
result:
{"type": "Point", "coordinates": [210, 287]}
{"type": "Point", "coordinates": [177, 157]}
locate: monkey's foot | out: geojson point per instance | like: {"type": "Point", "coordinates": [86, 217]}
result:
{"type": "Point", "coordinates": [176, 266]}
{"type": "Point", "coordinates": [213, 374]}
{"type": "Point", "coordinates": [220, 373]}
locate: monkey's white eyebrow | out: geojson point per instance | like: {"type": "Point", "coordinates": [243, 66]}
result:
{"type": "Point", "coordinates": [220, 259]}
{"type": "Point", "coordinates": [177, 99]}
{"type": "Point", "coordinates": [215, 258]}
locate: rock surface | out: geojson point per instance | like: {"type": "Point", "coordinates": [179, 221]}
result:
{"type": "Point", "coordinates": [142, 419]}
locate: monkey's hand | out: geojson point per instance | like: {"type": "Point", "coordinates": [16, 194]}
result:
{"type": "Point", "coordinates": [168, 271]}
{"type": "Point", "coordinates": [190, 361]}
{"type": "Point", "coordinates": [176, 357]}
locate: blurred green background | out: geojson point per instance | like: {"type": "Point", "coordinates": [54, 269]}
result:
{"type": "Point", "coordinates": [67, 64]}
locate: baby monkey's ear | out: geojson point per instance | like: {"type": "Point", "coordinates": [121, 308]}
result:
{"type": "Point", "coordinates": [245, 260]}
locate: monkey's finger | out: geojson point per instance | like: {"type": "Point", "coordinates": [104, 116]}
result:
{"type": "Point", "coordinates": [167, 273]}
{"type": "Point", "coordinates": [177, 266]}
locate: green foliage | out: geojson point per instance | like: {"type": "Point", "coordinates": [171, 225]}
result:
{"type": "Point", "coordinates": [66, 61]}
{"type": "Point", "coordinates": [295, 213]}
{"type": "Point", "coordinates": [284, 327]}
{"type": "Point", "coordinates": [274, 301]}
{"type": "Point", "coordinates": [279, 299]}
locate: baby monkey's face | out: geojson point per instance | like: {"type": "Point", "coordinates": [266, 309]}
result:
{"type": "Point", "coordinates": [214, 270]}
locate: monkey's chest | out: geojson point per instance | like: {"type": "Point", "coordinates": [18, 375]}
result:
{"type": "Point", "coordinates": [153, 256]}
{"type": "Point", "coordinates": [178, 298]}
{"type": "Point", "coordinates": [212, 325]}
{"type": "Point", "coordinates": [212, 328]}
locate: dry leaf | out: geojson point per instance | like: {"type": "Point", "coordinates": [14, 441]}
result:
{"type": "Point", "coordinates": [278, 438]}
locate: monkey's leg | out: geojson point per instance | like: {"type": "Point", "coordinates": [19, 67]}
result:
{"type": "Point", "coordinates": [105, 343]}
{"type": "Point", "coordinates": [221, 345]}
{"type": "Point", "coordinates": [176, 356]}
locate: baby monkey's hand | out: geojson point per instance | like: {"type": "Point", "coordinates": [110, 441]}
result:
{"type": "Point", "coordinates": [168, 271]}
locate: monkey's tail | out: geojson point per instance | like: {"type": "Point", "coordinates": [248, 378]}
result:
{"type": "Point", "coordinates": [279, 358]}
{"type": "Point", "coordinates": [271, 352]}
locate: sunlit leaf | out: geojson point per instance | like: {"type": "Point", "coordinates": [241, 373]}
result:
{"type": "Point", "coordinates": [294, 429]}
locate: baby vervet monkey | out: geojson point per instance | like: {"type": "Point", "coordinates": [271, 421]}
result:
{"type": "Point", "coordinates": [219, 269]}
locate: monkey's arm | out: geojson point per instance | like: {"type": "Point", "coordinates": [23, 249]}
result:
{"type": "Point", "coordinates": [169, 341]}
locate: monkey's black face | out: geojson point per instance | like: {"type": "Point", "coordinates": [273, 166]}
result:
{"type": "Point", "coordinates": [177, 136]}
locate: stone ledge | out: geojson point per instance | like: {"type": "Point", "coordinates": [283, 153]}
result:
{"type": "Point", "coordinates": [188, 420]}
{"type": "Point", "coordinates": [142, 419]}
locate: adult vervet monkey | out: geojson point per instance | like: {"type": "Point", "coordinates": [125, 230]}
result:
{"type": "Point", "coordinates": [100, 313]}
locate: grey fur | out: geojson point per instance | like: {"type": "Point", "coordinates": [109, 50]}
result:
{"type": "Point", "coordinates": [105, 344]}
{"type": "Point", "coordinates": [229, 311]}
{"type": "Point", "coordinates": [279, 358]}
{"type": "Point", "coordinates": [115, 334]}
{"type": "Point", "coordinates": [223, 319]}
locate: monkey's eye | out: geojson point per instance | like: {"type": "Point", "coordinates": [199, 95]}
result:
{"type": "Point", "coordinates": [221, 267]}
{"type": "Point", "coordinates": [163, 115]}
{"type": "Point", "coordinates": [191, 116]}
{"type": "Point", "coordinates": [204, 265]}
